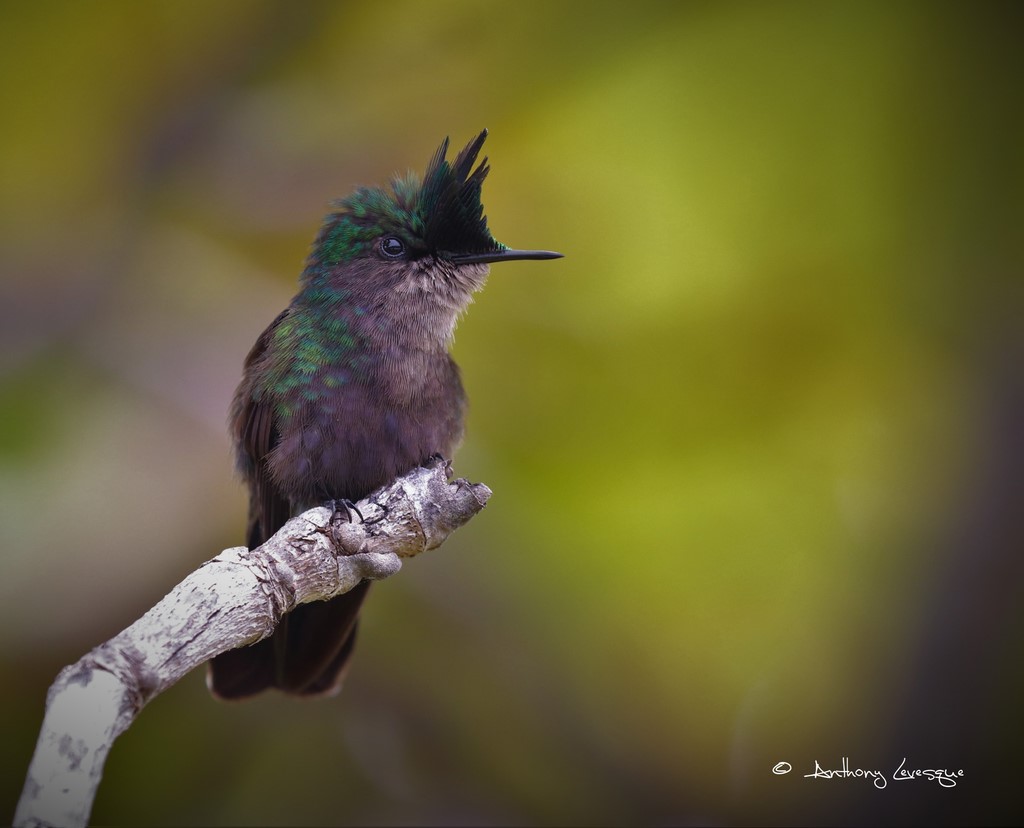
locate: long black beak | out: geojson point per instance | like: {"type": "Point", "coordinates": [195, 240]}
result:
{"type": "Point", "coordinates": [506, 255]}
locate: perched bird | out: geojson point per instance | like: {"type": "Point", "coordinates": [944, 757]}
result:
{"type": "Point", "coordinates": [352, 386]}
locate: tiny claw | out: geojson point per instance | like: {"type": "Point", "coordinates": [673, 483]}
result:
{"type": "Point", "coordinates": [384, 512]}
{"type": "Point", "coordinates": [343, 507]}
{"type": "Point", "coordinates": [439, 461]}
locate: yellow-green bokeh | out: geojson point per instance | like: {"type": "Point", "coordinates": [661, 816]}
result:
{"type": "Point", "coordinates": [749, 440]}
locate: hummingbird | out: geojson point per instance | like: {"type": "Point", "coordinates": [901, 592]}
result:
{"type": "Point", "coordinates": [352, 385]}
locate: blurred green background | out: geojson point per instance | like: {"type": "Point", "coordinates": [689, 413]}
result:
{"type": "Point", "coordinates": [756, 442]}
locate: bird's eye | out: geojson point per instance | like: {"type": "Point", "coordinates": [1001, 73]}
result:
{"type": "Point", "coordinates": [392, 247]}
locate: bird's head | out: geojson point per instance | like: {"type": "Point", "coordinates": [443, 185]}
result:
{"type": "Point", "coordinates": [419, 241]}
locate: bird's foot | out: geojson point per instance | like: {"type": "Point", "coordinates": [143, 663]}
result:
{"type": "Point", "coordinates": [435, 460]}
{"type": "Point", "coordinates": [341, 511]}
{"type": "Point", "coordinates": [384, 512]}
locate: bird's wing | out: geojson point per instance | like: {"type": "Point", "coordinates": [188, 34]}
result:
{"type": "Point", "coordinates": [256, 435]}
{"type": "Point", "coordinates": [308, 651]}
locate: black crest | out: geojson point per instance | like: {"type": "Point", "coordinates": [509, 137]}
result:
{"type": "Point", "coordinates": [449, 202]}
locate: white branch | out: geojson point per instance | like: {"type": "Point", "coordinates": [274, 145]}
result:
{"type": "Point", "coordinates": [232, 600]}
